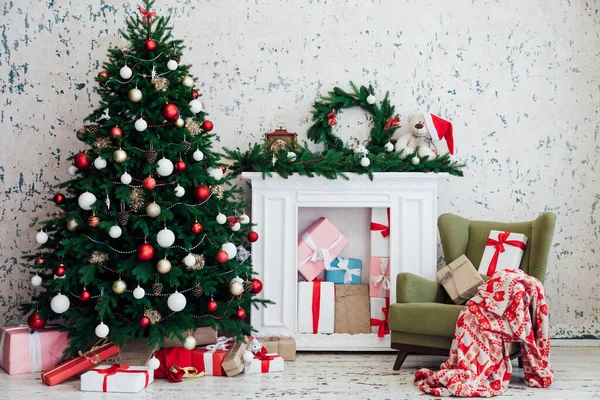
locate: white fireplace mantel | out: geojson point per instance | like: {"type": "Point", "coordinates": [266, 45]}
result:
{"type": "Point", "coordinates": [412, 199]}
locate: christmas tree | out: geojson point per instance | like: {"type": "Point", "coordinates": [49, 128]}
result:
{"type": "Point", "coordinates": [151, 237]}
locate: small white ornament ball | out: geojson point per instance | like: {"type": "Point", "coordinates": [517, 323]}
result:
{"type": "Point", "coordinates": [195, 106]}
{"type": "Point", "coordinates": [371, 99]}
{"type": "Point", "coordinates": [115, 232]}
{"type": "Point", "coordinates": [179, 191]}
{"type": "Point", "coordinates": [198, 155]}
{"type": "Point", "coordinates": [100, 163]}
{"type": "Point", "coordinates": [179, 122]}
{"type": "Point", "coordinates": [140, 125]}
{"type": "Point", "coordinates": [291, 156]}
{"type": "Point", "coordinates": [41, 237]}
{"type": "Point", "coordinates": [236, 227]}
{"type": "Point", "coordinates": [119, 156]}
{"type": "Point", "coordinates": [189, 260]}
{"type": "Point", "coordinates": [102, 330]}
{"type": "Point", "coordinates": [60, 303]}
{"type": "Point", "coordinates": [126, 178]}
{"type": "Point", "coordinates": [248, 357]}
{"type": "Point", "coordinates": [189, 343]}
{"type": "Point", "coordinates": [176, 301]}
{"type": "Point", "coordinates": [139, 292]}
{"type": "Point", "coordinates": [165, 167]}
{"type": "Point", "coordinates": [135, 95]}
{"type": "Point", "coordinates": [165, 238]}
{"type": "Point", "coordinates": [153, 363]}
{"type": "Point", "coordinates": [221, 219]}
{"type": "Point", "coordinates": [125, 72]}
{"type": "Point", "coordinates": [415, 160]}
{"type": "Point", "coordinates": [236, 288]}
{"type": "Point", "coordinates": [230, 249]}
{"type": "Point", "coordinates": [73, 170]}
{"type": "Point", "coordinates": [365, 162]}
{"type": "Point", "coordinates": [216, 173]}
{"type": "Point", "coordinates": [163, 266]}
{"type": "Point", "coordinates": [389, 147]}
{"type": "Point", "coordinates": [36, 280]}
{"type": "Point", "coordinates": [172, 65]}
{"type": "Point", "coordinates": [86, 200]}
{"type": "Point", "coordinates": [187, 81]}
{"type": "Point", "coordinates": [244, 219]}
{"type": "Point", "coordinates": [153, 210]}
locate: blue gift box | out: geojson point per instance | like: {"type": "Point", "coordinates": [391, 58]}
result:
{"type": "Point", "coordinates": [344, 271]}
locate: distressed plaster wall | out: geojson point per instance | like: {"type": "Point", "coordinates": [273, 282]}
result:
{"type": "Point", "coordinates": [519, 79]}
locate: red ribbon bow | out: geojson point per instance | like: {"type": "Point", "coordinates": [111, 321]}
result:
{"type": "Point", "coordinates": [116, 368]}
{"type": "Point", "coordinates": [265, 360]}
{"type": "Point", "coordinates": [232, 221]}
{"type": "Point", "coordinates": [385, 230]}
{"type": "Point", "coordinates": [384, 328]}
{"type": "Point", "coordinates": [331, 117]}
{"type": "Point", "coordinates": [499, 246]}
{"type": "Point", "coordinates": [147, 16]}
{"type": "Point", "coordinates": [391, 122]}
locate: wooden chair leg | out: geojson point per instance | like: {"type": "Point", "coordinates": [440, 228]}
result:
{"type": "Point", "coordinates": [400, 360]}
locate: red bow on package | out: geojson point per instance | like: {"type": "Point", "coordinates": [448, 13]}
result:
{"type": "Point", "coordinates": [391, 122]}
{"type": "Point", "coordinates": [147, 16]}
{"type": "Point", "coordinates": [499, 246]}
{"type": "Point", "coordinates": [116, 368]}
{"type": "Point", "coordinates": [384, 328]}
{"type": "Point", "coordinates": [232, 221]}
{"type": "Point", "coordinates": [262, 355]}
{"type": "Point", "coordinates": [176, 374]}
{"type": "Point", "coordinates": [331, 117]}
{"type": "Point", "coordinates": [385, 230]}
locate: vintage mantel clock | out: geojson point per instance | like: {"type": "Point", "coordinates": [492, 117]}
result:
{"type": "Point", "coordinates": [280, 139]}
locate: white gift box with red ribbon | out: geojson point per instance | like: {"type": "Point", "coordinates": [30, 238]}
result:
{"type": "Point", "coordinates": [503, 250]}
{"type": "Point", "coordinates": [264, 362]}
{"type": "Point", "coordinates": [117, 378]}
{"type": "Point", "coordinates": [316, 307]}
{"type": "Point", "coordinates": [380, 232]}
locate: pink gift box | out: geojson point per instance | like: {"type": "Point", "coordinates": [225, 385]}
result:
{"type": "Point", "coordinates": [24, 352]}
{"type": "Point", "coordinates": [317, 247]}
{"type": "Point", "coordinates": [379, 277]}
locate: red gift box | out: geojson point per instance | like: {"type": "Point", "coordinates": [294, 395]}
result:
{"type": "Point", "coordinates": [207, 359]}
{"type": "Point", "coordinates": [79, 364]}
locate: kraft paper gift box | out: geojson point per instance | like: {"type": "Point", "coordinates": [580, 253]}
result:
{"type": "Point", "coordinates": [379, 315]}
{"type": "Point", "coordinates": [379, 277]}
{"type": "Point", "coordinates": [317, 247]}
{"type": "Point", "coordinates": [344, 271]}
{"type": "Point", "coordinates": [23, 351]}
{"type": "Point", "coordinates": [285, 346]}
{"type": "Point", "coordinates": [503, 250]}
{"type": "Point", "coordinates": [460, 279]}
{"type": "Point", "coordinates": [380, 232]}
{"type": "Point", "coordinates": [264, 362]}
{"type": "Point", "coordinates": [133, 352]}
{"type": "Point", "coordinates": [233, 364]}
{"type": "Point", "coordinates": [203, 335]}
{"type": "Point", "coordinates": [352, 313]}
{"type": "Point", "coordinates": [116, 378]}
{"type": "Point", "coordinates": [319, 296]}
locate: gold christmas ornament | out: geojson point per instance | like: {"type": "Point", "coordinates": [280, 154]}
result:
{"type": "Point", "coordinates": [60, 215]}
{"type": "Point", "coordinates": [153, 315]}
{"type": "Point", "coordinates": [157, 289]}
{"type": "Point", "coordinates": [199, 263]}
{"type": "Point", "coordinates": [119, 286]}
{"type": "Point", "coordinates": [153, 210]}
{"type": "Point", "coordinates": [192, 126]}
{"type": "Point", "coordinates": [119, 156]}
{"type": "Point", "coordinates": [136, 198]}
{"type": "Point", "coordinates": [161, 84]}
{"type": "Point", "coordinates": [101, 142]}
{"type": "Point", "coordinates": [98, 257]}
{"type": "Point", "coordinates": [163, 266]}
{"type": "Point", "coordinates": [179, 122]}
{"type": "Point", "coordinates": [218, 191]}
{"type": "Point", "coordinates": [81, 132]}
{"type": "Point", "coordinates": [72, 225]}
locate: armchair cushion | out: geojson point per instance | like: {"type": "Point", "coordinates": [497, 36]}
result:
{"type": "Point", "coordinates": [433, 319]}
{"type": "Point", "coordinates": [411, 288]}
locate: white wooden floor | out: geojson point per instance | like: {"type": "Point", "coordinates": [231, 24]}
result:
{"type": "Point", "coordinates": [345, 376]}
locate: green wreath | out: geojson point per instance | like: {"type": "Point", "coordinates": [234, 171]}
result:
{"type": "Point", "coordinates": [385, 122]}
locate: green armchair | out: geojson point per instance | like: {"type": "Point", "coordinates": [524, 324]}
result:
{"type": "Point", "coordinates": [423, 318]}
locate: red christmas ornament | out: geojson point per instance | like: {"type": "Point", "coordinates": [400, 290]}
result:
{"type": "Point", "coordinates": [201, 193]}
{"type": "Point", "coordinates": [150, 45]}
{"type": "Point", "coordinates": [82, 161]}
{"type": "Point", "coordinates": [222, 256]}
{"type": "Point", "coordinates": [180, 165]}
{"type": "Point", "coordinates": [195, 94]}
{"type": "Point", "coordinates": [196, 227]}
{"type": "Point", "coordinates": [212, 306]}
{"type": "Point", "coordinates": [144, 321]}
{"type": "Point", "coordinates": [223, 168]}
{"type": "Point", "coordinates": [116, 132]}
{"type": "Point", "coordinates": [149, 183]}
{"type": "Point", "coordinates": [170, 111]}
{"type": "Point", "coordinates": [256, 286]}
{"type": "Point", "coordinates": [145, 252]}
{"type": "Point", "coordinates": [207, 125]}
{"type": "Point", "coordinates": [85, 295]}
{"type": "Point", "coordinates": [93, 221]}
{"type": "Point", "coordinates": [252, 236]}
{"type": "Point", "coordinates": [240, 313]}
{"type": "Point", "coordinates": [60, 270]}
{"type": "Point", "coordinates": [102, 74]}
{"type": "Point", "coordinates": [35, 321]}
{"type": "Point", "coordinates": [59, 198]}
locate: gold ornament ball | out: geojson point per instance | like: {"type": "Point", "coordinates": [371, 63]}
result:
{"type": "Point", "coordinates": [236, 288]}
{"type": "Point", "coordinates": [81, 132]}
{"type": "Point", "coordinates": [163, 266]}
{"type": "Point", "coordinates": [72, 225]}
{"type": "Point", "coordinates": [153, 210]}
{"type": "Point", "coordinates": [120, 156]}
{"type": "Point", "coordinates": [119, 286]}
{"type": "Point", "coordinates": [179, 123]}
{"type": "Point", "coordinates": [187, 81]}
{"type": "Point", "coordinates": [135, 95]}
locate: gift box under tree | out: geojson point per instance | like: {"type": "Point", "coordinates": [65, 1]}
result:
{"type": "Point", "coordinates": [379, 277]}
{"type": "Point", "coordinates": [264, 362]}
{"type": "Point", "coordinates": [117, 378]}
{"type": "Point", "coordinates": [285, 346]}
{"type": "Point", "coordinates": [503, 250]}
{"type": "Point", "coordinates": [344, 271]}
{"type": "Point", "coordinates": [316, 307]}
{"type": "Point", "coordinates": [317, 247]}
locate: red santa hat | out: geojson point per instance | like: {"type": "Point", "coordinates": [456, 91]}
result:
{"type": "Point", "coordinates": [440, 129]}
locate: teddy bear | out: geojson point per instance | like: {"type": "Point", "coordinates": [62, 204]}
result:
{"type": "Point", "coordinates": [418, 136]}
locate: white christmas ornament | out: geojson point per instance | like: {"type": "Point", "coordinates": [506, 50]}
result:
{"type": "Point", "coordinates": [187, 81]}
{"type": "Point", "coordinates": [365, 162]}
{"type": "Point", "coordinates": [115, 232]}
{"type": "Point", "coordinates": [189, 260]}
{"type": "Point", "coordinates": [102, 330]}
{"type": "Point", "coordinates": [153, 210]}
{"type": "Point", "coordinates": [86, 200]}
{"type": "Point", "coordinates": [165, 167]}
{"type": "Point", "coordinates": [139, 292]}
{"type": "Point", "coordinates": [230, 249]}
{"type": "Point", "coordinates": [248, 357]}
{"type": "Point", "coordinates": [221, 219]}
{"type": "Point", "coordinates": [415, 160]}
{"type": "Point", "coordinates": [244, 219]}
{"type": "Point", "coordinates": [172, 65]}
{"type": "Point", "coordinates": [236, 227]}
{"type": "Point", "coordinates": [140, 125]}
{"type": "Point", "coordinates": [73, 170]}
{"type": "Point", "coordinates": [189, 343]}
{"type": "Point", "coordinates": [125, 72]}
{"type": "Point", "coordinates": [236, 286]}
{"type": "Point", "coordinates": [216, 173]}
{"type": "Point", "coordinates": [179, 191]}
{"type": "Point", "coordinates": [176, 301]}
{"type": "Point", "coordinates": [100, 163]}
{"type": "Point", "coordinates": [198, 155]}
{"type": "Point", "coordinates": [60, 303]}
{"type": "Point", "coordinates": [195, 106]}
{"type": "Point", "coordinates": [389, 147]}
{"type": "Point", "coordinates": [291, 156]}
{"type": "Point", "coordinates": [371, 99]}
{"type": "Point", "coordinates": [36, 280]}
{"type": "Point", "coordinates": [165, 238]}
{"type": "Point", "coordinates": [153, 363]}
{"type": "Point", "coordinates": [119, 156]}
{"type": "Point", "coordinates": [41, 237]}
{"type": "Point", "coordinates": [126, 178]}
{"type": "Point", "coordinates": [135, 95]}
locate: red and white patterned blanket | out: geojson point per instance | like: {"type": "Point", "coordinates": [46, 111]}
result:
{"type": "Point", "coordinates": [479, 363]}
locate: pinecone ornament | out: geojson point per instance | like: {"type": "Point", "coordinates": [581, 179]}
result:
{"type": "Point", "coordinates": [93, 129]}
{"type": "Point", "coordinates": [151, 156]}
{"type": "Point", "coordinates": [176, 58]}
{"type": "Point", "coordinates": [186, 146]}
{"type": "Point", "coordinates": [248, 286]}
{"type": "Point", "coordinates": [123, 218]}
{"type": "Point", "coordinates": [197, 291]}
{"type": "Point", "coordinates": [157, 288]}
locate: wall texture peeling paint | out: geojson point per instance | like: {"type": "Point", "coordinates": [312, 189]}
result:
{"type": "Point", "coordinates": [520, 80]}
